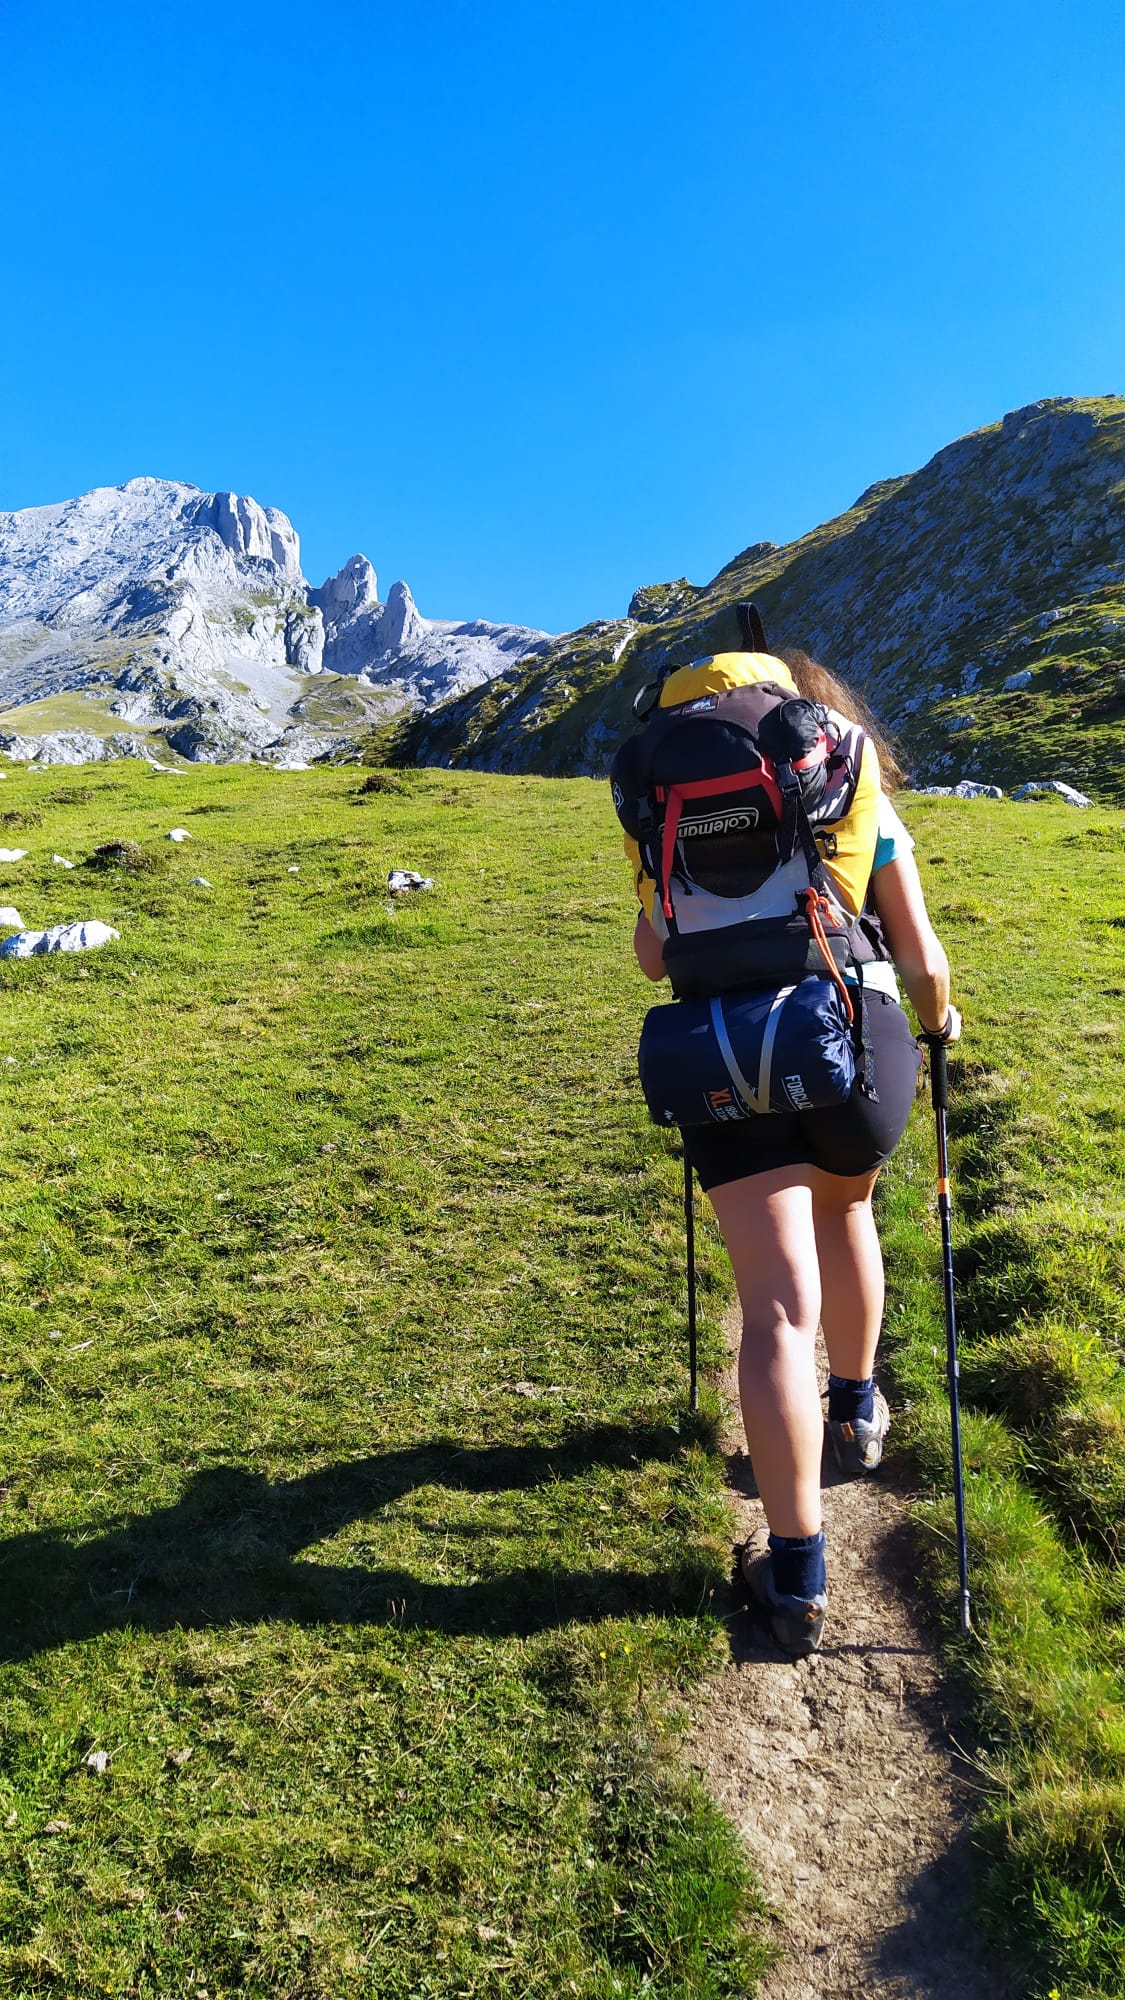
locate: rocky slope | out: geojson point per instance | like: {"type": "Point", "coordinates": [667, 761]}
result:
{"type": "Point", "coordinates": [152, 619]}
{"type": "Point", "coordinates": [979, 604]}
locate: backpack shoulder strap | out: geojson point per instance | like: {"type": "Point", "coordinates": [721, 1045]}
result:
{"type": "Point", "coordinates": [856, 829]}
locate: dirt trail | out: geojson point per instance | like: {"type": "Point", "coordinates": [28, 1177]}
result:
{"type": "Point", "coordinates": [840, 1772]}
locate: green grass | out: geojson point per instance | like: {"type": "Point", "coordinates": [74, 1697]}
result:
{"type": "Point", "coordinates": [1032, 906]}
{"type": "Point", "coordinates": [73, 710]}
{"type": "Point", "coordinates": [349, 1502]}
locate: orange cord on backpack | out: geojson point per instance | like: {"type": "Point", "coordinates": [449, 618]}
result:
{"type": "Point", "coordinates": [814, 903]}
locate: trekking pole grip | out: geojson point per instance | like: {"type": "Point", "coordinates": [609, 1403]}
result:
{"type": "Point", "coordinates": [939, 1072]}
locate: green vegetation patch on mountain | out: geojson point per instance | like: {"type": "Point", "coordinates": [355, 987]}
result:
{"type": "Point", "coordinates": [356, 1544]}
{"type": "Point", "coordinates": [1004, 555]}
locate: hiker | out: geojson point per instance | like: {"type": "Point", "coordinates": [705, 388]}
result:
{"type": "Point", "coordinates": [791, 1188]}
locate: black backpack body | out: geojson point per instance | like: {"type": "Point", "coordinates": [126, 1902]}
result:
{"type": "Point", "coordinates": [730, 797]}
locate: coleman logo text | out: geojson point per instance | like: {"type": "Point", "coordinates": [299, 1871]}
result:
{"type": "Point", "coordinates": [742, 821]}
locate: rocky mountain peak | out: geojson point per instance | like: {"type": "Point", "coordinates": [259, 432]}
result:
{"type": "Point", "coordinates": [186, 615]}
{"type": "Point", "coordinates": [258, 534]}
{"type": "Point", "coordinates": [353, 589]}
{"type": "Point", "coordinates": [401, 625]}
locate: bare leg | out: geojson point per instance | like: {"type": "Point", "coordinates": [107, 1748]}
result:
{"type": "Point", "coordinates": [851, 1271]}
{"type": "Point", "coordinates": [767, 1225]}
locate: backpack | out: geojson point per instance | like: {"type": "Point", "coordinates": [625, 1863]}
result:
{"type": "Point", "coordinates": [730, 792]}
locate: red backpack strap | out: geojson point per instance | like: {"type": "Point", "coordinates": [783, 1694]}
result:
{"type": "Point", "coordinates": [674, 798]}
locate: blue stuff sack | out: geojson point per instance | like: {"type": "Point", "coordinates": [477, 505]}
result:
{"type": "Point", "coordinates": [742, 1054]}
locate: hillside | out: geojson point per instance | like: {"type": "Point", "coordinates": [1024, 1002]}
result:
{"type": "Point", "coordinates": [1003, 557]}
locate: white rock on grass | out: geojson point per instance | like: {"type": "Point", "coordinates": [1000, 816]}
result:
{"type": "Point", "coordinates": [10, 919]}
{"type": "Point", "coordinates": [61, 937]}
{"type": "Point", "coordinates": [61, 861]}
{"type": "Point", "coordinates": [179, 833]}
{"type": "Point", "coordinates": [967, 788]}
{"type": "Point", "coordinates": [199, 882]}
{"type": "Point", "coordinates": [1015, 682]}
{"type": "Point", "coordinates": [13, 853]}
{"type": "Point", "coordinates": [293, 869]}
{"type": "Point", "coordinates": [401, 881]}
{"type": "Point", "coordinates": [1066, 792]}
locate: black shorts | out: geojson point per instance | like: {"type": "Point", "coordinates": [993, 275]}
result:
{"type": "Point", "coordinates": [849, 1139]}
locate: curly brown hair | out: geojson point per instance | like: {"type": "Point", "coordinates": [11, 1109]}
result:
{"type": "Point", "coordinates": [815, 683]}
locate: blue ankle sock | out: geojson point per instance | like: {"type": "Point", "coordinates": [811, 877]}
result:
{"type": "Point", "coordinates": [848, 1400]}
{"type": "Point", "coordinates": [797, 1562]}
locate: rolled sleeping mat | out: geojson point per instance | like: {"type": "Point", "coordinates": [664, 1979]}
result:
{"type": "Point", "coordinates": [741, 1055]}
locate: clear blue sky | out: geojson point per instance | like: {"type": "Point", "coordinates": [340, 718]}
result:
{"type": "Point", "coordinates": [533, 305]}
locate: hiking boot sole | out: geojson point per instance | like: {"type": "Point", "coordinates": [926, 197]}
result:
{"type": "Point", "coordinates": [858, 1447]}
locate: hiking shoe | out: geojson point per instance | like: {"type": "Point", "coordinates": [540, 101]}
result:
{"type": "Point", "coordinates": [858, 1446]}
{"type": "Point", "coordinates": [796, 1622]}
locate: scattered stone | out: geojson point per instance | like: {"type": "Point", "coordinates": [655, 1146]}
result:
{"type": "Point", "coordinates": [1066, 792]}
{"type": "Point", "coordinates": [199, 882]}
{"type": "Point", "coordinates": [179, 833]}
{"type": "Point", "coordinates": [97, 1763]}
{"type": "Point", "coordinates": [1015, 682]}
{"type": "Point", "coordinates": [61, 861]}
{"type": "Point", "coordinates": [10, 919]}
{"type": "Point", "coordinates": [61, 937]}
{"type": "Point", "coordinates": [957, 723]}
{"type": "Point", "coordinates": [403, 881]}
{"type": "Point", "coordinates": [966, 788]}
{"type": "Point", "coordinates": [289, 764]}
{"type": "Point", "coordinates": [13, 853]}
{"type": "Point", "coordinates": [292, 869]}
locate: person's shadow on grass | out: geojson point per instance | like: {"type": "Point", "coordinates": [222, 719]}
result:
{"type": "Point", "coordinates": [228, 1553]}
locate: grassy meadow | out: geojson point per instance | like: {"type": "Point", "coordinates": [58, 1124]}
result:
{"type": "Point", "coordinates": [358, 1550]}
{"type": "Point", "coordinates": [1031, 901]}
{"type": "Point", "coordinates": [352, 1525]}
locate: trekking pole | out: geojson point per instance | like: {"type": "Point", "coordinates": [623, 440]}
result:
{"type": "Point", "coordinates": [939, 1093]}
{"type": "Point", "coordinates": [689, 1226]}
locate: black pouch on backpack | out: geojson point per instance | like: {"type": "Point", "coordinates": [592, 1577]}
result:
{"type": "Point", "coordinates": [766, 952]}
{"type": "Point", "coordinates": [741, 1055]}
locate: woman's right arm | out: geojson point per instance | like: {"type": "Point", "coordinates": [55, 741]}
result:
{"type": "Point", "coordinates": [649, 949]}
{"type": "Point", "coordinates": [917, 952]}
